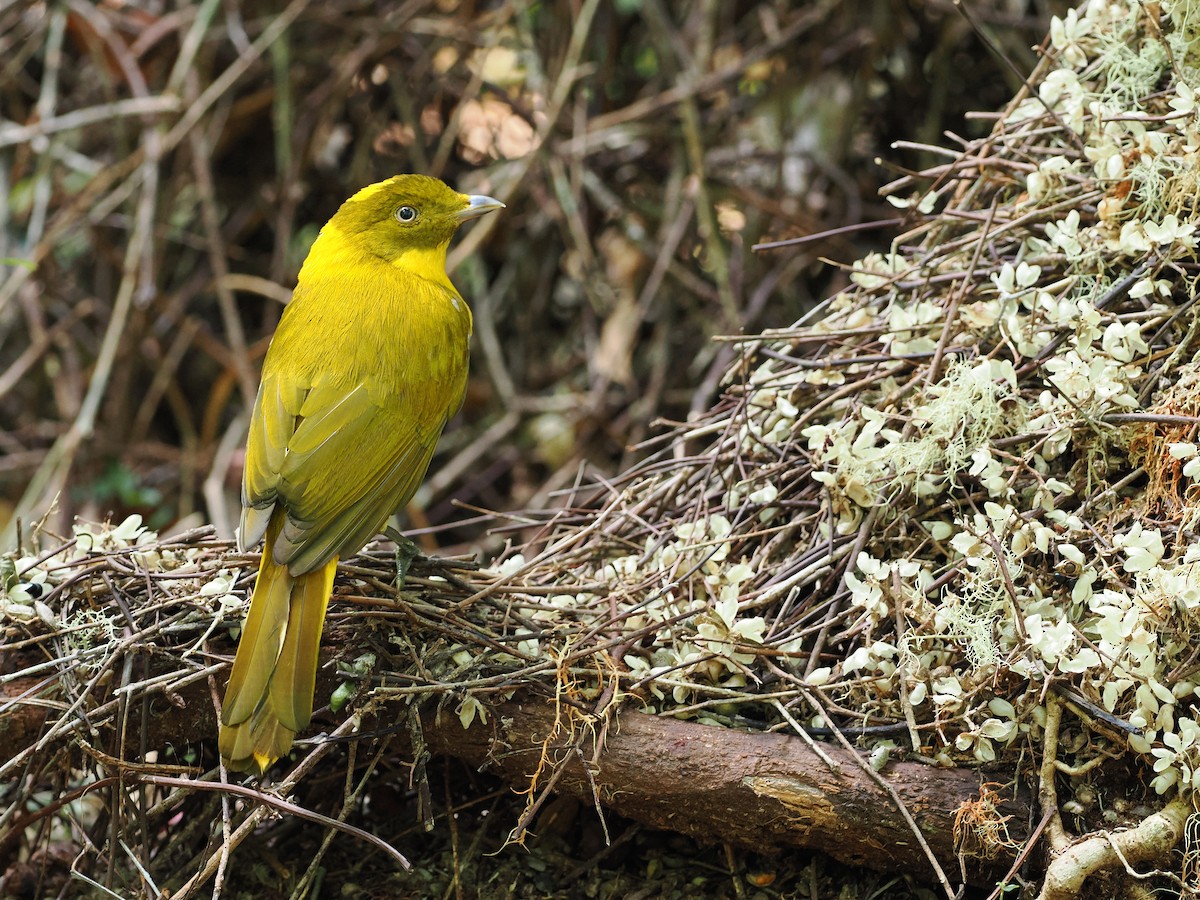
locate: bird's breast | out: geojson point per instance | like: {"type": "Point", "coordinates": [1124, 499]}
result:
{"type": "Point", "coordinates": [395, 331]}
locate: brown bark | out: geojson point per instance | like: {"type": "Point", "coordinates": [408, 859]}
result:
{"type": "Point", "coordinates": [758, 790]}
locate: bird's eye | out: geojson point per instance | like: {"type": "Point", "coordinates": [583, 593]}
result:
{"type": "Point", "coordinates": [406, 214]}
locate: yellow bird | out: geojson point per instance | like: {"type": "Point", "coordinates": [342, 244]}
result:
{"type": "Point", "coordinates": [368, 363]}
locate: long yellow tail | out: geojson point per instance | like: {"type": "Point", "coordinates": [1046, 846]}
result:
{"type": "Point", "coordinates": [270, 693]}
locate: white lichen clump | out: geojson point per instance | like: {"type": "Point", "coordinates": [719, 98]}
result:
{"type": "Point", "coordinates": [1122, 622]}
{"type": "Point", "coordinates": [975, 431]}
{"type": "Point", "coordinates": [29, 583]}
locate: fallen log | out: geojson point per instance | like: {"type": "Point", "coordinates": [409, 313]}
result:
{"type": "Point", "coordinates": [764, 791]}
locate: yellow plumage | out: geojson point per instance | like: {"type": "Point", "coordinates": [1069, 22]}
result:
{"type": "Point", "coordinates": [367, 365]}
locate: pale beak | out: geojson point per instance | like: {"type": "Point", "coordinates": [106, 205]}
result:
{"type": "Point", "coordinates": [478, 205]}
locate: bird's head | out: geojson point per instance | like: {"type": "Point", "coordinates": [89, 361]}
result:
{"type": "Point", "coordinates": [407, 213]}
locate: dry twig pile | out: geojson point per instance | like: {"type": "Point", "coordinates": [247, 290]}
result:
{"type": "Point", "coordinates": [952, 516]}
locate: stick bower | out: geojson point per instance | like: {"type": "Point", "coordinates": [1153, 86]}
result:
{"type": "Point", "coordinates": [111, 675]}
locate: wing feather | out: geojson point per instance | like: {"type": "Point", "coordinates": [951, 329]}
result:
{"type": "Point", "coordinates": [341, 489]}
{"type": "Point", "coordinates": [348, 463]}
{"type": "Point", "coordinates": [274, 420]}
{"type": "Point", "coordinates": [355, 524]}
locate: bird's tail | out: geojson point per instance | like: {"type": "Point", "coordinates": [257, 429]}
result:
{"type": "Point", "coordinates": [270, 693]}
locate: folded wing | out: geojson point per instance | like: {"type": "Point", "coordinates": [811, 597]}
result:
{"type": "Point", "coordinates": [340, 457]}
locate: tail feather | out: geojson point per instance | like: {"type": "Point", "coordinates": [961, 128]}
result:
{"type": "Point", "coordinates": [255, 744]}
{"type": "Point", "coordinates": [295, 676]}
{"type": "Point", "coordinates": [262, 637]}
{"type": "Point", "coordinates": [270, 693]}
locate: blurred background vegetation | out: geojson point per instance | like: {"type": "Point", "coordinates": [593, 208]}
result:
{"type": "Point", "coordinates": [167, 164]}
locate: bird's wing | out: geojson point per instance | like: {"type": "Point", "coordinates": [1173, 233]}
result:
{"type": "Point", "coordinates": [272, 424]}
{"type": "Point", "coordinates": [339, 460]}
